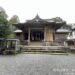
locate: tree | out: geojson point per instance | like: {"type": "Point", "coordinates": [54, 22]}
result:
{"type": "Point", "coordinates": [4, 24]}
{"type": "Point", "coordinates": [3, 13]}
{"type": "Point", "coordinates": [14, 19]}
{"type": "Point", "coordinates": [4, 27]}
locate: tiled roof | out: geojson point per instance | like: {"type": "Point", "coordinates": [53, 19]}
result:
{"type": "Point", "coordinates": [63, 31]}
{"type": "Point", "coordinates": [54, 23]}
{"type": "Point", "coordinates": [38, 19]}
{"type": "Point", "coordinates": [56, 19]}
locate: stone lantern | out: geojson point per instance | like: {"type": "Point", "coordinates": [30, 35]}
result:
{"type": "Point", "coordinates": [18, 33]}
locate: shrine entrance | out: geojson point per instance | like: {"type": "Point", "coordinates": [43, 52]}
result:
{"type": "Point", "coordinates": [36, 36]}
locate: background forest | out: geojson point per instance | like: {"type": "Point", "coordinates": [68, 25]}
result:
{"type": "Point", "coordinates": [7, 26]}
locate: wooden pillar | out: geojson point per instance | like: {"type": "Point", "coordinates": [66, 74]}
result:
{"type": "Point", "coordinates": [28, 36]}
{"type": "Point", "coordinates": [54, 35]}
{"type": "Point", "coordinates": [45, 34]}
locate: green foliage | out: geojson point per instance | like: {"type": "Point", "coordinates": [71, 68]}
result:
{"type": "Point", "coordinates": [4, 27]}
{"type": "Point", "coordinates": [3, 13]}
{"type": "Point", "coordinates": [14, 19]}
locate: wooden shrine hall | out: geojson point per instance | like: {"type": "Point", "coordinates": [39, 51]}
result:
{"type": "Point", "coordinates": [38, 30]}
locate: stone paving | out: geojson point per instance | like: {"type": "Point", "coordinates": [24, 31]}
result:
{"type": "Point", "coordinates": [37, 64]}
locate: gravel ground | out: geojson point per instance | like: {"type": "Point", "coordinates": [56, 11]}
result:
{"type": "Point", "coordinates": [37, 64]}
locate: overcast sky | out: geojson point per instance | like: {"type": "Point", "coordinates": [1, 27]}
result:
{"type": "Point", "coordinates": [27, 9]}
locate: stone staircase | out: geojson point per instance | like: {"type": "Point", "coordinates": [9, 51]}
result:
{"type": "Point", "coordinates": [36, 43]}
{"type": "Point", "coordinates": [45, 49]}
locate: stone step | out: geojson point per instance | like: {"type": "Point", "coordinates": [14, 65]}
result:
{"type": "Point", "coordinates": [45, 53]}
{"type": "Point", "coordinates": [35, 43]}
{"type": "Point", "coordinates": [45, 49]}
{"type": "Point", "coordinates": [52, 51]}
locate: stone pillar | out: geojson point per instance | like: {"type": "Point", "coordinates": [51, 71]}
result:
{"type": "Point", "coordinates": [28, 36]}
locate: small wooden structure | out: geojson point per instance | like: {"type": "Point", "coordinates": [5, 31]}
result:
{"type": "Point", "coordinates": [71, 40]}
{"type": "Point", "coordinates": [12, 45]}
{"type": "Point", "coordinates": [9, 46]}
{"type": "Point", "coordinates": [71, 45]}
{"type": "Point", "coordinates": [61, 34]}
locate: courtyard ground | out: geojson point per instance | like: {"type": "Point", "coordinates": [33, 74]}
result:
{"type": "Point", "coordinates": [37, 64]}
